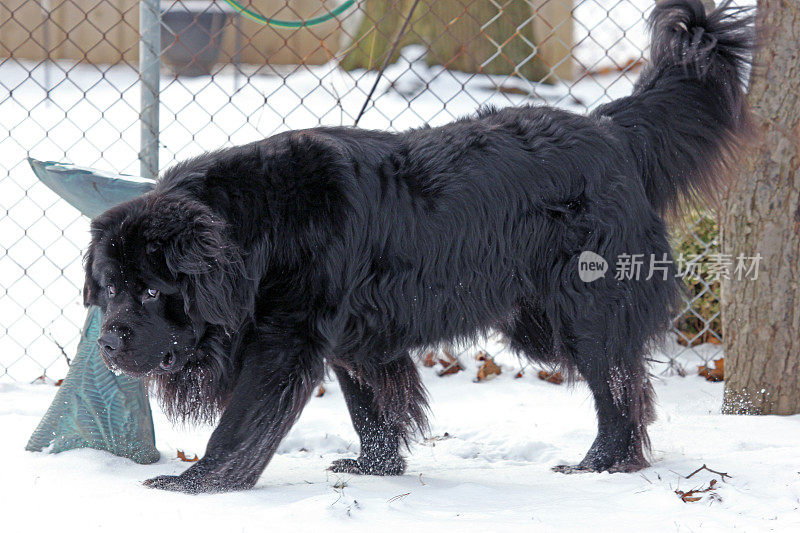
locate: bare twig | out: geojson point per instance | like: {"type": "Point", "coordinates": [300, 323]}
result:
{"type": "Point", "coordinates": [723, 475]}
{"type": "Point", "coordinates": [60, 347]}
{"type": "Point", "coordinates": [387, 60]}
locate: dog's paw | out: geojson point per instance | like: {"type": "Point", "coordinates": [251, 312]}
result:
{"type": "Point", "coordinates": [186, 484]}
{"type": "Point", "coordinates": [572, 469]}
{"type": "Point", "coordinates": [173, 483]}
{"type": "Point", "coordinates": [590, 466]}
{"type": "Point", "coordinates": [393, 467]}
{"type": "Point", "coordinates": [346, 466]}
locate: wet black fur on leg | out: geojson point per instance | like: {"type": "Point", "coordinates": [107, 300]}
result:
{"type": "Point", "coordinates": [360, 247]}
{"type": "Point", "coordinates": [387, 405]}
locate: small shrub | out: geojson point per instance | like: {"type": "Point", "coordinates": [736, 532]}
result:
{"type": "Point", "coordinates": [697, 239]}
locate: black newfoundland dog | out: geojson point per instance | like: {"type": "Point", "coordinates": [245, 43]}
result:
{"type": "Point", "coordinates": [232, 284]}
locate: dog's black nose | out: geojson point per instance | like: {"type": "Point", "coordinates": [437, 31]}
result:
{"type": "Point", "coordinates": [109, 342]}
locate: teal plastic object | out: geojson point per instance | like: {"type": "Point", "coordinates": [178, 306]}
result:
{"type": "Point", "coordinates": [88, 190]}
{"type": "Point", "coordinates": [94, 408]}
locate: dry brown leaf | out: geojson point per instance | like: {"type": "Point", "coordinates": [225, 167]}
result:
{"type": "Point", "coordinates": [708, 337]}
{"type": "Point", "coordinates": [713, 374]}
{"type": "Point", "coordinates": [691, 495]}
{"type": "Point", "coordinates": [320, 391]}
{"type": "Point", "coordinates": [551, 377]}
{"type": "Point", "coordinates": [182, 457]}
{"type": "Point", "coordinates": [449, 368]}
{"type": "Point", "coordinates": [450, 364]}
{"type": "Point", "coordinates": [488, 368]}
{"type": "Point", "coordinates": [431, 441]}
{"type": "Point", "coordinates": [429, 360]}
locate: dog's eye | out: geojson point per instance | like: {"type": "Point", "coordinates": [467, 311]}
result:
{"type": "Point", "coordinates": [111, 290]}
{"type": "Point", "coordinates": [151, 294]}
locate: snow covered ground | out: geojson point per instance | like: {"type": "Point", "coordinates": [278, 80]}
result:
{"type": "Point", "coordinates": [491, 473]}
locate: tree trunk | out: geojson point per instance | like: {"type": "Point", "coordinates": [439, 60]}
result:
{"type": "Point", "coordinates": [761, 318]}
{"type": "Point", "coordinates": [463, 35]}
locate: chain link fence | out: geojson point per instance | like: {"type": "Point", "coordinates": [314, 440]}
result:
{"type": "Point", "coordinates": [75, 77]}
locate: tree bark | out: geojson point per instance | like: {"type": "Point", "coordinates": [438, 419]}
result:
{"type": "Point", "coordinates": [461, 35]}
{"type": "Point", "coordinates": [761, 318]}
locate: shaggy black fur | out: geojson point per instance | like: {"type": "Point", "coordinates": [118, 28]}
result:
{"type": "Point", "coordinates": [232, 283]}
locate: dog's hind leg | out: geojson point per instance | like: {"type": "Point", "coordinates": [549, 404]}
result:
{"type": "Point", "coordinates": [530, 333]}
{"type": "Point", "coordinates": [387, 403]}
{"type": "Point", "coordinates": [607, 347]}
{"type": "Point", "coordinates": [614, 369]}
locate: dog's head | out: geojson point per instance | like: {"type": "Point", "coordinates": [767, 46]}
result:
{"type": "Point", "coordinates": [163, 269]}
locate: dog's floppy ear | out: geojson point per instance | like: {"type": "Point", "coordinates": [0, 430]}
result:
{"type": "Point", "coordinates": [101, 225]}
{"type": "Point", "coordinates": [209, 266]}
{"type": "Point", "coordinates": [91, 289]}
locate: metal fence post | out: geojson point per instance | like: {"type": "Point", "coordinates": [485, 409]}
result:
{"type": "Point", "coordinates": [149, 67]}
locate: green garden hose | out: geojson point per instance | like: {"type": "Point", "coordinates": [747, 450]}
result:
{"type": "Point", "coordinates": [290, 23]}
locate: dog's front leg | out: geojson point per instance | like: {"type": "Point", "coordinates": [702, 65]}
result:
{"type": "Point", "coordinates": [265, 403]}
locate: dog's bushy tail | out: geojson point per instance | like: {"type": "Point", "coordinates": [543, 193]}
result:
{"type": "Point", "coordinates": [687, 114]}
